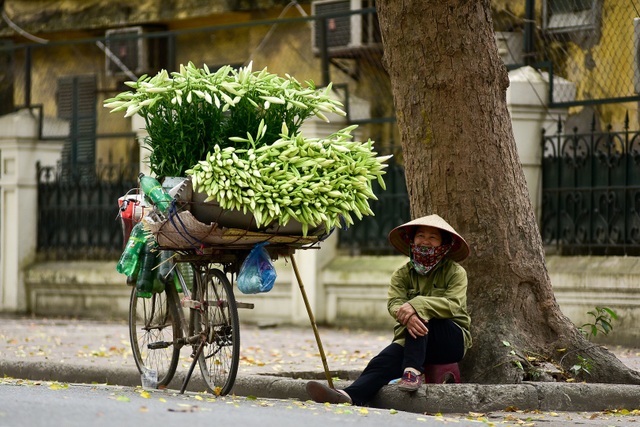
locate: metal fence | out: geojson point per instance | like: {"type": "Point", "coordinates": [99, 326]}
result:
{"type": "Point", "coordinates": [581, 44]}
{"type": "Point", "coordinates": [78, 213]}
{"type": "Point", "coordinates": [591, 192]}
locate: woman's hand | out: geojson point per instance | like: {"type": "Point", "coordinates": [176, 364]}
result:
{"type": "Point", "coordinates": [408, 316]}
{"type": "Point", "coordinates": [417, 327]}
{"type": "Point", "coordinates": [405, 311]}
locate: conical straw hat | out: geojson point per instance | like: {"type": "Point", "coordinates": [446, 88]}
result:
{"type": "Point", "coordinates": [400, 237]}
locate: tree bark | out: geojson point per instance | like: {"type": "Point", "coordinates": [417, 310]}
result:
{"type": "Point", "coordinates": [449, 89]}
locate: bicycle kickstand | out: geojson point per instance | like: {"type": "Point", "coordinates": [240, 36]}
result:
{"type": "Point", "coordinates": [193, 365]}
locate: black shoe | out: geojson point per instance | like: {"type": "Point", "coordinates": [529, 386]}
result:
{"type": "Point", "coordinates": [322, 394]}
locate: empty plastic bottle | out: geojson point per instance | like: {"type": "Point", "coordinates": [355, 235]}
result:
{"type": "Point", "coordinates": [130, 257]}
{"type": "Point", "coordinates": [154, 191]}
{"type": "Point", "coordinates": [165, 271]}
{"type": "Point", "coordinates": [147, 274]}
{"type": "Point", "coordinates": [158, 285]}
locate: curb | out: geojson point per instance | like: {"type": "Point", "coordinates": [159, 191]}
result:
{"type": "Point", "coordinates": [431, 398]}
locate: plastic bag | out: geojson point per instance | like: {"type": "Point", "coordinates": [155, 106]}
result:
{"type": "Point", "coordinates": [257, 273]}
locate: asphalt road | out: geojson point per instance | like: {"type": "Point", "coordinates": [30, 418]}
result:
{"type": "Point", "coordinates": [46, 404]}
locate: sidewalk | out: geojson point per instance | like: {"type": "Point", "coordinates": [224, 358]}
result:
{"type": "Point", "coordinates": [274, 363]}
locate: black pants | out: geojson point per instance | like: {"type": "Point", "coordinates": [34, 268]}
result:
{"type": "Point", "coordinates": [443, 344]}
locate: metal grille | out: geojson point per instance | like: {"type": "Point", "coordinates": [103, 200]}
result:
{"type": "Point", "coordinates": [591, 192]}
{"type": "Point", "coordinates": [77, 217]}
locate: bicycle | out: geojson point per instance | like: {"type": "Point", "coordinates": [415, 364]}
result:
{"type": "Point", "coordinates": [198, 282]}
{"type": "Point", "coordinates": [159, 327]}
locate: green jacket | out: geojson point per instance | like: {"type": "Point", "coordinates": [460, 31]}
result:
{"type": "Point", "coordinates": [441, 294]}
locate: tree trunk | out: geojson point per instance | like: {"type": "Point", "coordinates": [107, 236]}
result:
{"type": "Point", "coordinates": [449, 88]}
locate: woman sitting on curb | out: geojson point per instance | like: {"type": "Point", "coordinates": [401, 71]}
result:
{"type": "Point", "coordinates": [428, 299]}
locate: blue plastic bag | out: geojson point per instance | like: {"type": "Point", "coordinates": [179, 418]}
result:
{"type": "Point", "coordinates": [257, 273]}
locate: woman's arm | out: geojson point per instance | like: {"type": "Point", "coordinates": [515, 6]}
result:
{"type": "Point", "coordinates": [447, 303]}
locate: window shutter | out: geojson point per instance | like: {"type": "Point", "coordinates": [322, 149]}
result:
{"type": "Point", "coordinates": [76, 100]}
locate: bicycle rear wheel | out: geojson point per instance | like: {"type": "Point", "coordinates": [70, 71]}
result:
{"type": "Point", "coordinates": [154, 330]}
{"type": "Point", "coordinates": [219, 324]}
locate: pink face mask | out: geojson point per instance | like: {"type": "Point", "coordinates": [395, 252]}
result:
{"type": "Point", "coordinates": [424, 258]}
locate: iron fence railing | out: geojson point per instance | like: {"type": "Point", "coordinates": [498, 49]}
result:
{"type": "Point", "coordinates": [591, 192]}
{"type": "Point", "coordinates": [77, 213]}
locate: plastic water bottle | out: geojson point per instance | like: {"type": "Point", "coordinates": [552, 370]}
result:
{"type": "Point", "coordinates": [129, 259]}
{"type": "Point", "coordinates": [165, 271]}
{"type": "Point", "coordinates": [154, 191]}
{"type": "Point", "coordinates": [149, 378]}
{"type": "Point", "coordinates": [147, 274]}
{"type": "Point", "coordinates": [158, 285]}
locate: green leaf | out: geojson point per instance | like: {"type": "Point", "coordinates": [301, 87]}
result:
{"type": "Point", "coordinates": [611, 312]}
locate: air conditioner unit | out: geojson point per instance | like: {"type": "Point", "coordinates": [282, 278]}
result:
{"type": "Point", "coordinates": [510, 47]}
{"type": "Point", "coordinates": [636, 55]}
{"type": "Point", "coordinates": [344, 30]}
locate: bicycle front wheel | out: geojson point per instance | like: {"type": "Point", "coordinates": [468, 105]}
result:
{"type": "Point", "coordinates": [217, 322]}
{"type": "Point", "coordinates": [154, 330]}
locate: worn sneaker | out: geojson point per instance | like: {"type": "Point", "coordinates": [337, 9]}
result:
{"type": "Point", "coordinates": [322, 394]}
{"type": "Point", "coordinates": [410, 381]}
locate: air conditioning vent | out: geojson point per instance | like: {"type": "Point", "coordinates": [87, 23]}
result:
{"type": "Point", "coordinates": [344, 29]}
{"type": "Point", "coordinates": [136, 53]}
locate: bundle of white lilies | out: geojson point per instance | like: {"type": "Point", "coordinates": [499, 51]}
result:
{"type": "Point", "coordinates": [236, 133]}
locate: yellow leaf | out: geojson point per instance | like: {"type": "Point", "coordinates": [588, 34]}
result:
{"type": "Point", "coordinates": [145, 394]}
{"type": "Point", "coordinates": [162, 399]}
{"type": "Point", "coordinates": [57, 386]}
{"type": "Point", "coordinates": [198, 397]}
{"type": "Point", "coordinates": [364, 411]}
{"type": "Point", "coordinates": [123, 399]}
{"type": "Point", "coordinates": [393, 411]}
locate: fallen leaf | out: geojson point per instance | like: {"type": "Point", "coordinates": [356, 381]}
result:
{"type": "Point", "coordinates": [57, 386]}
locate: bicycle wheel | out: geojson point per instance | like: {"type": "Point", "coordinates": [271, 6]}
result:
{"type": "Point", "coordinates": [218, 323]}
{"type": "Point", "coordinates": [154, 330]}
